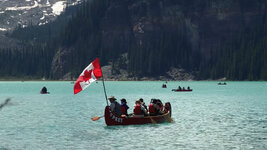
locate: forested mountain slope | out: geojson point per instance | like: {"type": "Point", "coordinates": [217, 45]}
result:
{"type": "Point", "coordinates": [147, 38]}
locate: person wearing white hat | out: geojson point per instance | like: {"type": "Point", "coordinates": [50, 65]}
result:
{"type": "Point", "coordinates": [114, 105]}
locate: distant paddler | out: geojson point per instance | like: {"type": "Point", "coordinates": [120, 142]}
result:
{"type": "Point", "coordinates": [44, 90]}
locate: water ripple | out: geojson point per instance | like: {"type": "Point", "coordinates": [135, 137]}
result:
{"type": "Point", "coordinates": [230, 117]}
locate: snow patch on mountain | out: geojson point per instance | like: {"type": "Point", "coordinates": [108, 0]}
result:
{"type": "Point", "coordinates": [36, 12]}
{"type": "Point", "coordinates": [48, 3]}
{"type": "Point", "coordinates": [59, 7]}
{"type": "Point", "coordinates": [42, 18]}
{"type": "Point", "coordinates": [77, 2]}
{"type": "Point", "coordinates": [3, 29]}
{"type": "Point", "coordinates": [23, 7]}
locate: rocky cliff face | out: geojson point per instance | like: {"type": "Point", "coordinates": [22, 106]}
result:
{"type": "Point", "coordinates": [207, 24]}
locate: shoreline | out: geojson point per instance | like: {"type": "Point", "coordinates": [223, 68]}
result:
{"type": "Point", "coordinates": [41, 80]}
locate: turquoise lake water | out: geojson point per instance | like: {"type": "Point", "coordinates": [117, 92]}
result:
{"type": "Point", "coordinates": [232, 116]}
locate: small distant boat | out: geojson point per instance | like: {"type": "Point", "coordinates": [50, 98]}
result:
{"type": "Point", "coordinates": [44, 91]}
{"type": "Point", "coordinates": [181, 90]}
{"type": "Point", "coordinates": [164, 86]}
{"type": "Point", "coordinates": [112, 119]}
{"type": "Point", "coordinates": [222, 83]}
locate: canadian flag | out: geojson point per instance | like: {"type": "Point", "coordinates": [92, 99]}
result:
{"type": "Point", "coordinates": [90, 74]}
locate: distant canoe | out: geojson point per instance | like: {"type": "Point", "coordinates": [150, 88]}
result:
{"type": "Point", "coordinates": [185, 90]}
{"type": "Point", "coordinates": [164, 86]}
{"type": "Point", "coordinates": [222, 83]}
{"type": "Point", "coordinates": [44, 92]}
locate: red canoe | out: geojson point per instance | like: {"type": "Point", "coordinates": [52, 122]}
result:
{"type": "Point", "coordinates": [44, 92]}
{"type": "Point", "coordinates": [113, 119]}
{"type": "Point", "coordinates": [177, 90]}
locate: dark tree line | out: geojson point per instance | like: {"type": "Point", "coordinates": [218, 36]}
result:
{"type": "Point", "coordinates": [83, 34]}
{"type": "Point", "coordinates": [30, 62]}
{"type": "Point", "coordinates": [244, 58]}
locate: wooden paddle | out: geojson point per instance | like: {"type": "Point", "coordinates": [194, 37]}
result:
{"type": "Point", "coordinates": [96, 118]}
{"type": "Point", "coordinates": [169, 119]}
{"type": "Point", "coordinates": [152, 120]}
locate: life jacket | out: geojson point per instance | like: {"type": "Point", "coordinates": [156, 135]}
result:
{"type": "Point", "coordinates": [160, 106]}
{"type": "Point", "coordinates": [123, 110]}
{"type": "Point", "coordinates": [151, 109]}
{"type": "Point", "coordinates": [137, 110]}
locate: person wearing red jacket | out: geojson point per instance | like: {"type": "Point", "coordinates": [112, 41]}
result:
{"type": "Point", "coordinates": [155, 107]}
{"type": "Point", "coordinates": [139, 110]}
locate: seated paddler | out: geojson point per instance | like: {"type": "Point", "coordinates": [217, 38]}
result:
{"type": "Point", "coordinates": [44, 90]}
{"type": "Point", "coordinates": [124, 107]}
{"type": "Point", "coordinates": [167, 107]}
{"type": "Point", "coordinates": [139, 110]}
{"type": "Point", "coordinates": [115, 106]}
{"type": "Point", "coordinates": [152, 108]}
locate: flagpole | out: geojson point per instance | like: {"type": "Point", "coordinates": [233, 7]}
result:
{"type": "Point", "coordinates": [104, 89]}
{"type": "Point", "coordinates": [104, 85]}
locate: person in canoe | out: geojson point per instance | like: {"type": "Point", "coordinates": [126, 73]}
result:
{"type": "Point", "coordinates": [154, 108]}
{"type": "Point", "coordinates": [167, 107]}
{"type": "Point", "coordinates": [124, 107]}
{"type": "Point", "coordinates": [160, 106]}
{"type": "Point", "coordinates": [139, 110]}
{"type": "Point", "coordinates": [179, 88]}
{"type": "Point", "coordinates": [188, 88]}
{"type": "Point", "coordinates": [44, 90]}
{"type": "Point", "coordinates": [143, 104]}
{"type": "Point", "coordinates": [114, 105]}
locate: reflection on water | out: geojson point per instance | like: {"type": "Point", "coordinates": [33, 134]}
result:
{"type": "Point", "coordinates": [211, 117]}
